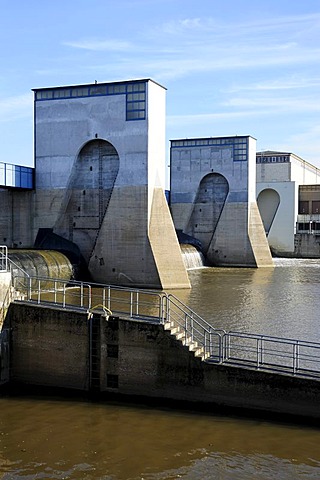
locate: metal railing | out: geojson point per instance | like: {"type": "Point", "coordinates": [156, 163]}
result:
{"type": "Point", "coordinates": [3, 258]}
{"type": "Point", "coordinates": [146, 305]}
{"type": "Point", "coordinates": [195, 329]}
{"type": "Point", "coordinates": [251, 351]}
{"type": "Point", "coordinates": [263, 352]}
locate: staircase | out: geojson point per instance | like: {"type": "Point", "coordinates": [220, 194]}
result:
{"type": "Point", "coordinates": [186, 340]}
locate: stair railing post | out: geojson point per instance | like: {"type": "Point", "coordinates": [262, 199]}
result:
{"type": "Point", "coordinates": [29, 288]}
{"type": "Point", "coordinates": [39, 291]}
{"type": "Point", "coordinates": [81, 294]}
{"type": "Point", "coordinates": [295, 358]}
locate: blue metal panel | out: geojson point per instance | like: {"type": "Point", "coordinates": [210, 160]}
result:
{"type": "Point", "coordinates": [16, 176]}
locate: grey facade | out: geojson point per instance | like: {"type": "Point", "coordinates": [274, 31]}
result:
{"type": "Point", "coordinates": [213, 199]}
{"type": "Point", "coordinates": [99, 182]}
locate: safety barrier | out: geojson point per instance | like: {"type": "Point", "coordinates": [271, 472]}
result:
{"type": "Point", "coordinates": [251, 351]}
{"type": "Point", "coordinates": [263, 352]}
{"type": "Point", "coordinates": [3, 258]}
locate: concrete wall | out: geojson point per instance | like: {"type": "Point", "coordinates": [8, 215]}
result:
{"type": "Point", "coordinates": [114, 235]}
{"type": "Point", "coordinates": [51, 348]}
{"type": "Point", "coordinates": [282, 229]}
{"type": "Point", "coordinates": [303, 172]}
{"type": "Point", "coordinates": [213, 184]}
{"type": "Point", "coordinates": [306, 245]}
{"type": "Point", "coordinates": [16, 218]}
{"type": "Point", "coordinates": [283, 178]}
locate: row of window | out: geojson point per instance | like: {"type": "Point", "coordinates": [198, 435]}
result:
{"type": "Point", "coordinates": [135, 95]}
{"type": "Point", "coordinates": [304, 207]}
{"type": "Point", "coordinates": [312, 226]}
{"type": "Point", "coordinates": [278, 159]}
{"type": "Point", "coordinates": [239, 145]}
{"type": "Point", "coordinates": [199, 142]}
{"type": "Point", "coordinates": [16, 176]}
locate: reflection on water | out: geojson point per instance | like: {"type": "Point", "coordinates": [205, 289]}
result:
{"type": "Point", "coordinates": [283, 301]}
{"type": "Point", "coordinates": [76, 439]}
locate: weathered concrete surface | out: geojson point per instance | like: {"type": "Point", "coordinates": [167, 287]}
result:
{"type": "Point", "coordinates": [100, 162]}
{"type": "Point", "coordinates": [166, 249]}
{"type": "Point", "coordinates": [213, 199]}
{"type": "Point", "coordinates": [152, 363]}
{"type": "Point", "coordinates": [16, 218]}
{"type": "Point", "coordinates": [306, 245]}
{"type": "Point", "coordinates": [97, 172]}
{"type": "Point", "coordinates": [258, 238]}
{"type": "Point", "coordinates": [51, 347]}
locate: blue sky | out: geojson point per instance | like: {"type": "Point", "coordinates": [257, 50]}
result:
{"type": "Point", "coordinates": [232, 67]}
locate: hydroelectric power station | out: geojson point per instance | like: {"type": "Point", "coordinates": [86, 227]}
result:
{"type": "Point", "coordinates": [94, 208]}
{"type": "Point", "coordinates": [99, 189]}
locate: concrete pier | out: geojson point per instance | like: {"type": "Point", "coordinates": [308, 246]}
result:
{"type": "Point", "coordinates": [213, 199]}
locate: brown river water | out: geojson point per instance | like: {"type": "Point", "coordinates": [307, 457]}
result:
{"type": "Point", "coordinates": [73, 438]}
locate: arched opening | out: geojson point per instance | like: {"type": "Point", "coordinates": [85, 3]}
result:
{"type": "Point", "coordinates": [88, 194]}
{"type": "Point", "coordinates": [268, 202]}
{"type": "Point", "coordinates": [208, 205]}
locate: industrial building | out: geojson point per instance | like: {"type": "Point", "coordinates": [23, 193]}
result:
{"type": "Point", "coordinates": [97, 193]}
{"type": "Point", "coordinates": [288, 197]}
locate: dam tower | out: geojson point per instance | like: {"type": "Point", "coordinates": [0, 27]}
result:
{"type": "Point", "coordinates": [213, 199]}
{"type": "Point", "coordinates": [100, 180]}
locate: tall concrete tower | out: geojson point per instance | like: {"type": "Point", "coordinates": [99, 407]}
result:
{"type": "Point", "coordinates": [213, 185]}
{"type": "Point", "coordinates": [100, 179]}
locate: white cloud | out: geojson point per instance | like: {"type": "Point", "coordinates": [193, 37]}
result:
{"type": "Point", "coordinates": [276, 103]}
{"type": "Point", "coordinates": [100, 45]}
{"type": "Point", "coordinates": [20, 106]}
{"type": "Point", "coordinates": [292, 83]}
{"type": "Point", "coordinates": [286, 26]}
{"type": "Point", "coordinates": [180, 48]}
{"type": "Point", "coordinates": [173, 120]}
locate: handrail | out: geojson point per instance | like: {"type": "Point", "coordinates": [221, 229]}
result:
{"type": "Point", "coordinates": [195, 328]}
{"type": "Point", "coordinates": [245, 350]}
{"type": "Point", "coordinates": [11, 262]}
{"type": "Point", "coordinates": [3, 258]}
{"type": "Point", "coordinates": [264, 352]}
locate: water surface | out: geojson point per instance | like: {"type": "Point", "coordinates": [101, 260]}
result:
{"type": "Point", "coordinates": [56, 438]}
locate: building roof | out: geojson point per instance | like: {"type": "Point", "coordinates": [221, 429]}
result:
{"type": "Point", "coordinates": [95, 83]}
{"type": "Point", "coordinates": [274, 153]}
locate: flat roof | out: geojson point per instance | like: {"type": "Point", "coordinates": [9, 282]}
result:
{"type": "Point", "coordinates": [273, 153]}
{"type": "Point", "coordinates": [81, 85]}
{"type": "Point", "coordinates": [211, 138]}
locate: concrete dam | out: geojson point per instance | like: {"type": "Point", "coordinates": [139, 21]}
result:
{"type": "Point", "coordinates": [53, 264]}
{"type": "Point", "coordinates": [99, 190]}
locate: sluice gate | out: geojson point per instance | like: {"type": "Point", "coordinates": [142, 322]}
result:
{"type": "Point", "coordinates": [192, 257]}
{"type": "Point", "coordinates": [40, 263]}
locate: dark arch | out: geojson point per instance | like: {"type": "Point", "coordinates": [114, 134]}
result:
{"type": "Point", "coordinates": [88, 194]}
{"type": "Point", "coordinates": [207, 207]}
{"type": "Point", "coordinates": [268, 203]}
